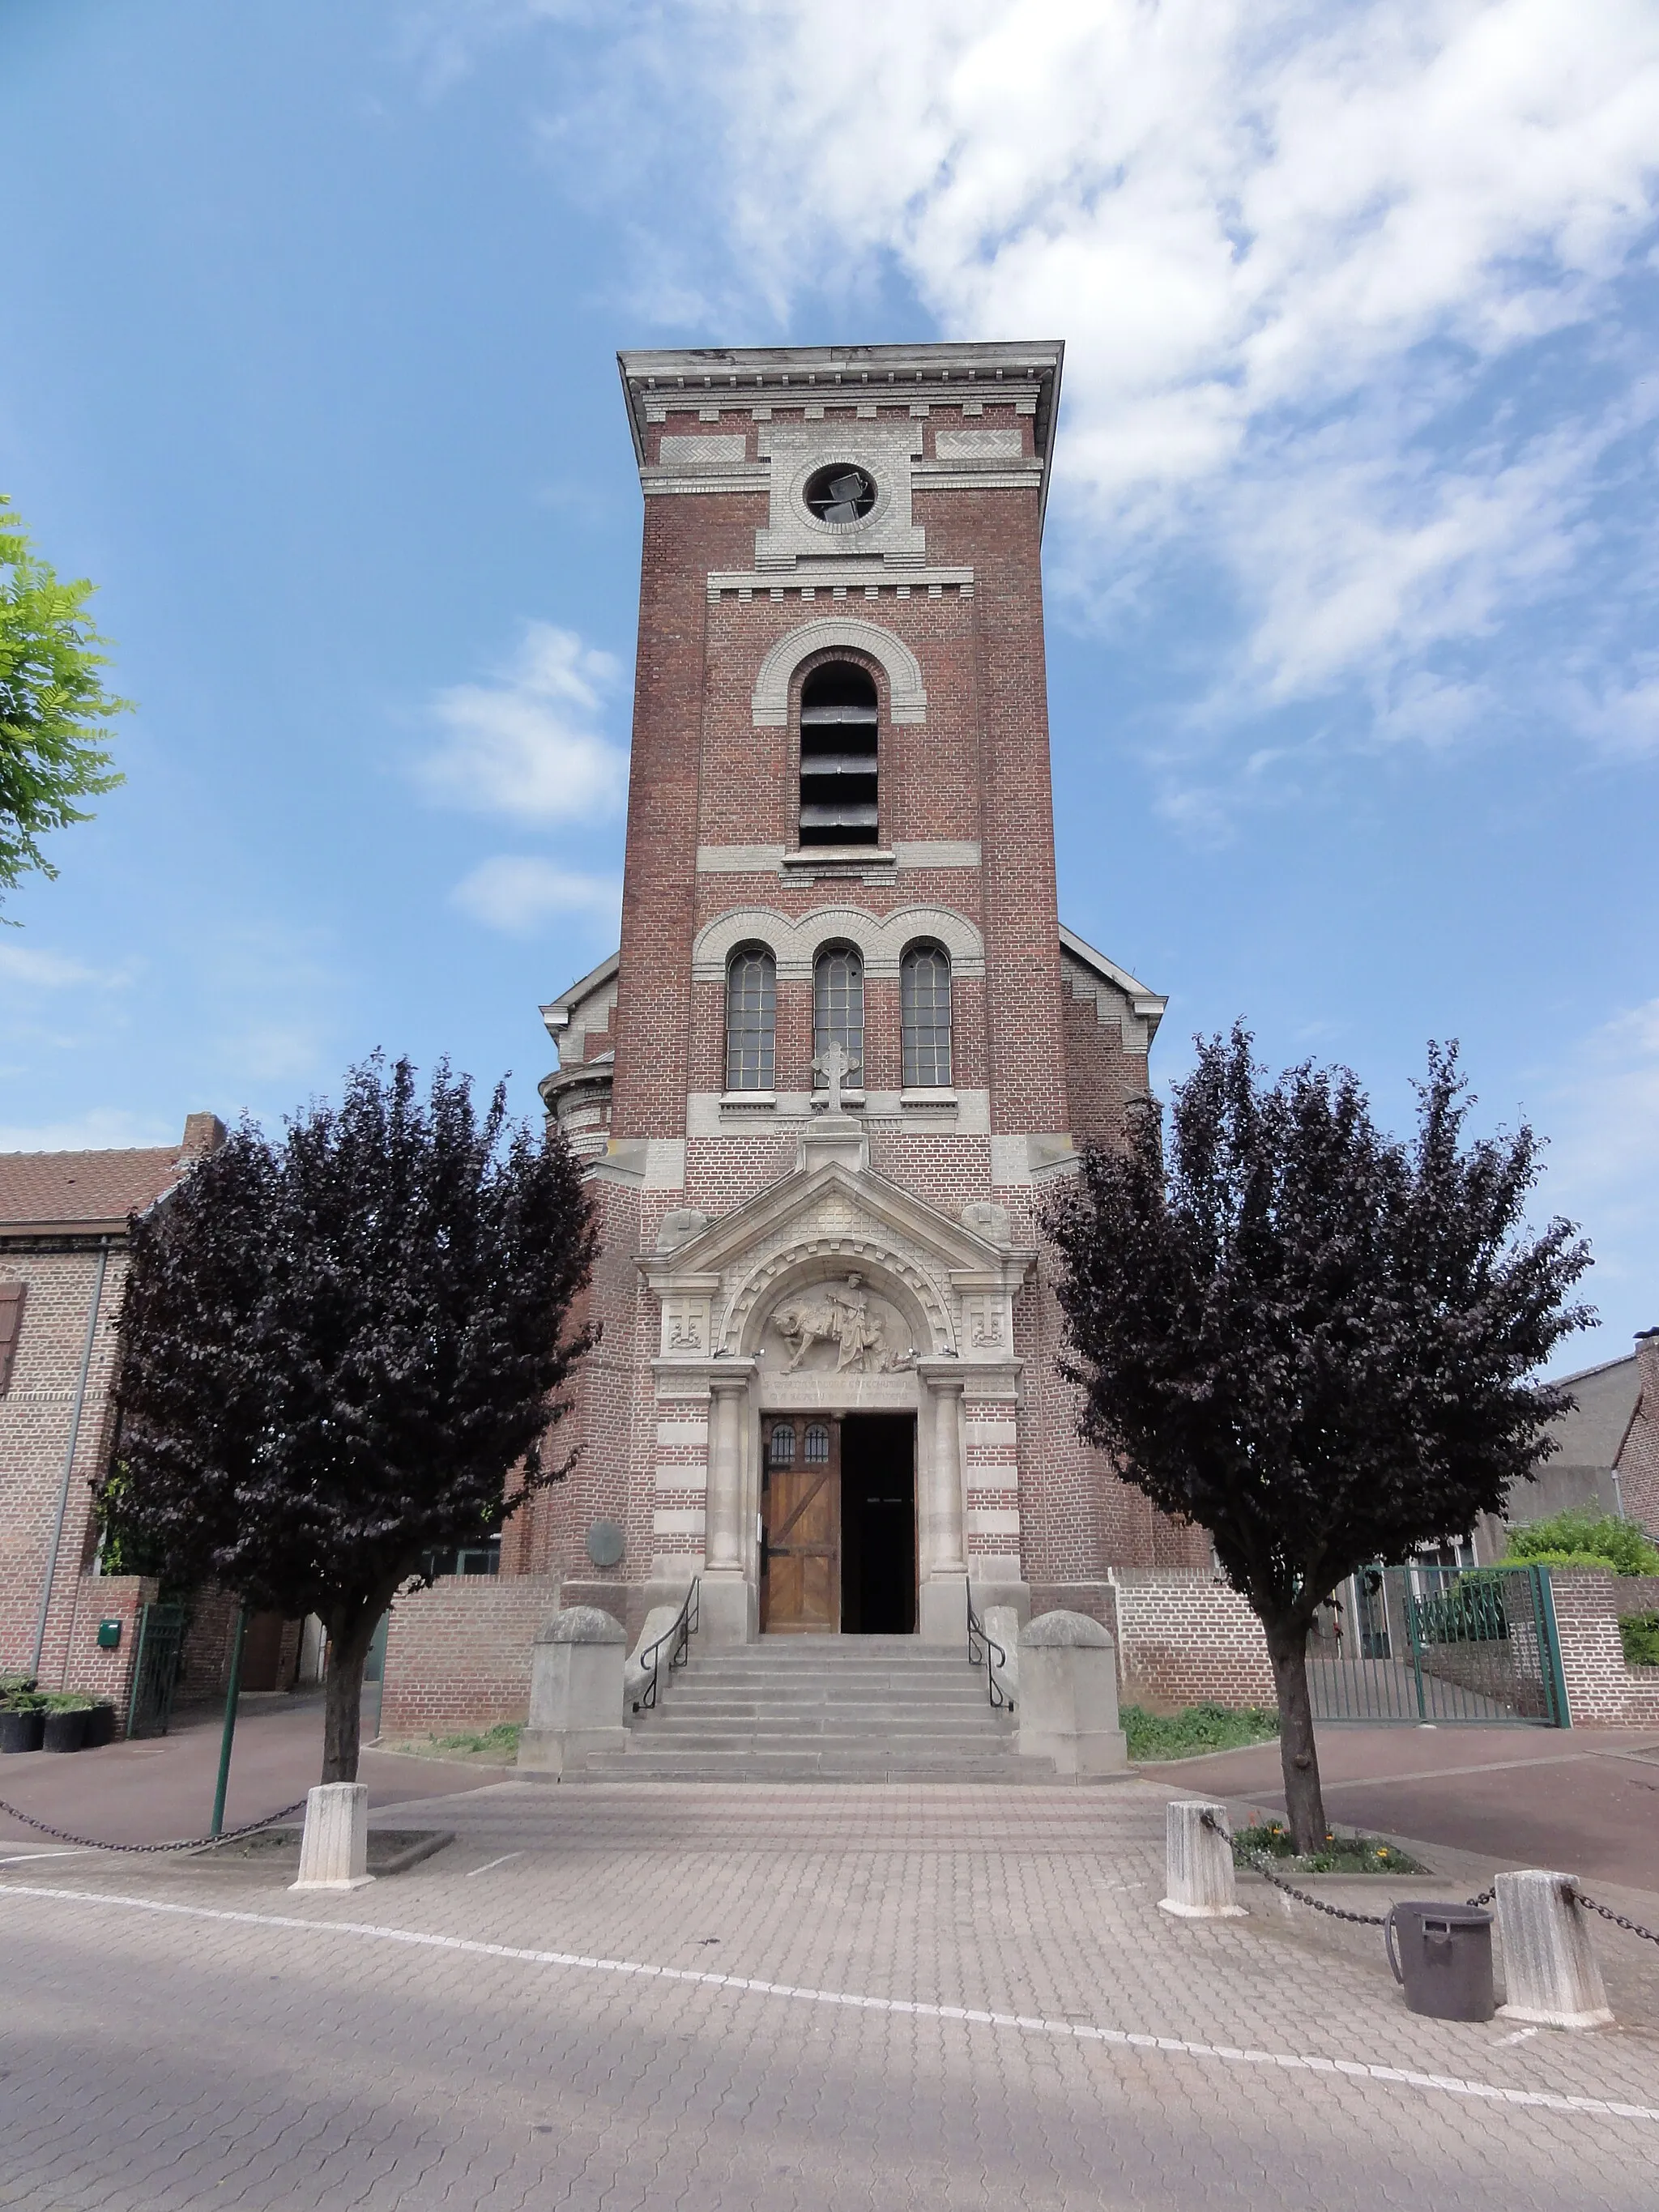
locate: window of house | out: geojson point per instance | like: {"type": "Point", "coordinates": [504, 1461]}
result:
{"type": "Point", "coordinates": [838, 731]}
{"type": "Point", "coordinates": [925, 1018]}
{"type": "Point", "coordinates": [751, 1003]}
{"type": "Point", "coordinates": [838, 1005]}
{"type": "Point", "coordinates": [781, 1451]}
{"type": "Point", "coordinates": [816, 1452]}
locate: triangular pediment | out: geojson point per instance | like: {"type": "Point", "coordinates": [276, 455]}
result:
{"type": "Point", "coordinates": [828, 1197]}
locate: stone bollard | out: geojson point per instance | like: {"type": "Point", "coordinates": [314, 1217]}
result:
{"type": "Point", "coordinates": [575, 1692]}
{"type": "Point", "coordinates": [1549, 1968]}
{"type": "Point", "coordinates": [334, 1849]}
{"type": "Point", "coordinates": [1067, 1708]}
{"type": "Point", "coordinates": [1199, 1861]}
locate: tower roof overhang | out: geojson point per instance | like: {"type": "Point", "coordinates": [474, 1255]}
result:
{"type": "Point", "coordinates": [943, 373]}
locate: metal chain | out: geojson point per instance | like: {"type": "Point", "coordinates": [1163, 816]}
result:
{"type": "Point", "coordinates": [192, 1843]}
{"type": "Point", "coordinates": [1629, 1927]}
{"type": "Point", "coordinates": [1263, 1865]}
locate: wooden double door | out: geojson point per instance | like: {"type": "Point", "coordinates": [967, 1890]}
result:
{"type": "Point", "coordinates": [838, 1524]}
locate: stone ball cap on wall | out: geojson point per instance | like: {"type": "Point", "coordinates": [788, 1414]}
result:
{"type": "Point", "coordinates": [1064, 1632]}
{"type": "Point", "coordinates": [582, 1623]}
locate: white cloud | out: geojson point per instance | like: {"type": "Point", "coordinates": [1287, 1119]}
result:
{"type": "Point", "coordinates": [101, 1128]}
{"type": "Point", "coordinates": [518, 894]}
{"type": "Point", "coordinates": [1288, 248]}
{"type": "Point", "coordinates": [527, 746]}
{"type": "Point", "coordinates": [1603, 1170]}
{"type": "Point", "coordinates": [53, 971]}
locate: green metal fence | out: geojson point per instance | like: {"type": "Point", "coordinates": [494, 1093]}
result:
{"type": "Point", "coordinates": [156, 1668]}
{"type": "Point", "coordinates": [1419, 1642]}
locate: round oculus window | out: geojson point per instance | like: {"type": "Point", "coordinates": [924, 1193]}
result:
{"type": "Point", "coordinates": [841, 494]}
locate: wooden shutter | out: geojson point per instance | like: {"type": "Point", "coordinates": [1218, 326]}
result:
{"type": "Point", "coordinates": [12, 1318]}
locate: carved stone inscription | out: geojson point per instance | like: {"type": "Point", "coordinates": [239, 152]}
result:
{"type": "Point", "coordinates": [837, 1327]}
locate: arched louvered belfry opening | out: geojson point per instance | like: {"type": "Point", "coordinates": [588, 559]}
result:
{"type": "Point", "coordinates": [839, 728]}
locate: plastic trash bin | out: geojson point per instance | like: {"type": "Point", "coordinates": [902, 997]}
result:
{"type": "Point", "coordinates": [1443, 1959]}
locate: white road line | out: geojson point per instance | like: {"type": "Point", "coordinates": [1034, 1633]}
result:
{"type": "Point", "coordinates": [22, 1858]}
{"type": "Point", "coordinates": [1450, 2085]}
{"type": "Point", "coordinates": [485, 1868]}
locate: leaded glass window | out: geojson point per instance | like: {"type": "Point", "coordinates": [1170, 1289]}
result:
{"type": "Point", "coordinates": [925, 1018]}
{"type": "Point", "coordinates": [838, 1005]}
{"type": "Point", "coordinates": [751, 1001]}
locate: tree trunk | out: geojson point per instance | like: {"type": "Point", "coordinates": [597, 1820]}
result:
{"type": "Point", "coordinates": [342, 1693]}
{"type": "Point", "coordinates": [1305, 1801]}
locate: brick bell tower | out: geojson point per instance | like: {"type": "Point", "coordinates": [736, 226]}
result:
{"type": "Point", "coordinates": [846, 1045]}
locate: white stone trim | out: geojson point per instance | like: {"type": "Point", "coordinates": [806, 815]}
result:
{"type": "Point", "coordinates": [740, 860]}
{"type": "Point", "coordinates": [666, 1520]}
{"type": "Point", "coordinates": [683, 1432]}
{"type": "Point", "coordinates": [983, 1521]}
{"type": "Point", "coordinates": [907, 694]}
{"type": "Point", "coordinates": [681, 1477]}
{"type": "Point", "coordinates": [993, 445]}
{"type": "Point", "coordinates": [794, 943]}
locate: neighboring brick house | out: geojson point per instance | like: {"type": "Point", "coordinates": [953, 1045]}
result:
{"type": "Point", "coordinates": [63, 1264]}
{"type": "Point", "coordinates": [846, 1051]}
{"type": "Point", "coordinates": [1607, 1459]}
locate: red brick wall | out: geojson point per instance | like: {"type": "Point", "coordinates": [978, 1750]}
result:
{"type": "Point", "coordinates": [1603, 1690]}
{"type": "Point", "coordinates": [1191, 1637]}
{"type": "Point", "coordinates": [85, 1666]}
{"type": "Point", "coordinates": [1638, 1462]}
{"type": "Point", "coordinates": [36, 1414]}
{"type": "Point", "coordinates": [458, 1654]}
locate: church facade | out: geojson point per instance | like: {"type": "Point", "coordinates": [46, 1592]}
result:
{"type": "Point", "coordinates": [845, 1050]}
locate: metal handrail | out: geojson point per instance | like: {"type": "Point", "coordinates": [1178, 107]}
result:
{"type": "Point", "coordinates": [679, 1638]}
{"type": "Point", "coordinates": [977, 1634]}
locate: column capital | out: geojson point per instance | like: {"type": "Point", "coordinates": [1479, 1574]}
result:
{"type": "Point", "coordinates": [728, 1376]}
{"type": "Point", "coordinates": [946, 1375]}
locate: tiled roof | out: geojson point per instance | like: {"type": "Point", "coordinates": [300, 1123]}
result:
{"type": "Point", "coordinates": [83, 1191]}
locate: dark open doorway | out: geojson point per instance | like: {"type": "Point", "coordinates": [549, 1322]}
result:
{"type": "Point", "coordinates": [878, 1524]}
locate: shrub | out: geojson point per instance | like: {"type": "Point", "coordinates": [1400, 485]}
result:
{"type": "Point", "coordinates": [22, 1701]}
{"type": "Point", "coordinates": [1195, 1729]}
{"type": "Point", "coordinates": [67, 1701]}
{"type": "Point", "coordinates": [1639, 1634]}
{"type": "Point", "coordinates": [1341, 1854]}
{"type": "Point", "coordinates": [1580, 1539]}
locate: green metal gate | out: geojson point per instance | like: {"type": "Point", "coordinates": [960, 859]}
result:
{"type": "Point", "coordinates": [1419, 1642]}
{"type": "Point", "coordinates": [156, 1668]}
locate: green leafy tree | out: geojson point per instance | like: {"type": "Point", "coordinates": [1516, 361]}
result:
{"type": "Point", "coordinates": [343, 1351]}
{"type": "Point", "coordinates": [54, 706]}
{"type": "Point", "coordinates": [1309, 1337]}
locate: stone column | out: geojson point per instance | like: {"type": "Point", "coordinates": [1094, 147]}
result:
{"type": "Point", "coordinates": [942, 1610]}
{"type": "Point", "coordinates": [728, 1605]}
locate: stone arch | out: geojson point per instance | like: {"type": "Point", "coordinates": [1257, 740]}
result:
{"type": "Point", "coordinates": [820, 1258]}
{"type": "Point", "coordinates": [792, 940]}
{"type": "Point", "coordinates": [907, 694]}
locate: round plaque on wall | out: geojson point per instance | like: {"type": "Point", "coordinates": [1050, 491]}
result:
{"type": "Point", "coordinates": [605, 1543]}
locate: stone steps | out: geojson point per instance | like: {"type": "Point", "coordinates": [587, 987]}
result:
{"type": "Point", "coordinates": [824, 1709]}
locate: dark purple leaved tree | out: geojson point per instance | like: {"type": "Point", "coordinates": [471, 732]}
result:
{"type": "Point", "coordinates": [343, 1350]}
{"type": "Point", "coordinates": [1316, 1341]}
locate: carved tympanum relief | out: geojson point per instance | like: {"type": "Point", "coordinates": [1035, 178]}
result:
{"type": "Point", "coordinates": [836, 1327]}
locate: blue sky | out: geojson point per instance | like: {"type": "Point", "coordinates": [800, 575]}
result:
{"type": "Point", "coordinates": [312, 317]}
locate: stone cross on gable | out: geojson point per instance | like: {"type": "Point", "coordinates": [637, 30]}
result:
{"type": "Point", "coordinates": [834, 1064]}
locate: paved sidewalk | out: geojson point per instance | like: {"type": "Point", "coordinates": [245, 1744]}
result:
{"type": "Point", "coordinates": [1585, 1800]}
{"type": "Point", "coordinates": [163, 1786]}
{"type": "Point", "coordinates": [810, 1997]}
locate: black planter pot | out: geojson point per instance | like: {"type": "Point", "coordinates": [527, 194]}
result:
{"type": "Point", "coordinates": [64, 1731]}
{"type": "Point", "coordinates": [21, 1731]}
{"type": "Point", "coordinates": [100, 1728]}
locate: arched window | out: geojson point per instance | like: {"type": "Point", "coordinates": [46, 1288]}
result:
{"type": "Point", "coordinates": [925, 1017]}
{"type": "Point", "coordinates": [751, 1008]}
{"type": "Point", "coordinates": [781, 1449]}
{"type": "Point", "coordinates": [838, 1005]}
{"type": "Point", "coordinates": [838, 719]}
{"type": "Point", "coordinates": [816, 1452]}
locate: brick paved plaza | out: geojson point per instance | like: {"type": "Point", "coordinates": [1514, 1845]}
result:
{"type": "Point", "coordinates": [541, 2015]}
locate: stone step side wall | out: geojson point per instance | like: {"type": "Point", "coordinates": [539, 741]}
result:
{"type": "Point", "coordinates": [1602, 1690]}
{"type": "Point", "coordinates": [458, 1654]}
{"type": "Point", "coordinates": [1191, 1637]}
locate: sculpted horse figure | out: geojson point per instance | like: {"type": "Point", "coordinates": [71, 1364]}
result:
{"type": "Point", "coordinates": [843, 1318]}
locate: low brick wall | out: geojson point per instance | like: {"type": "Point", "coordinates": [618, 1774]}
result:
{"type": "Point", "coordinates": [458, 1654]}
{"type": "Point", "coordinates": [1190, 1638]}
{"type": "Point", "coordinates": [89, 1667]}
{"type": "Point", "coordinates": [1602, 1689]}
